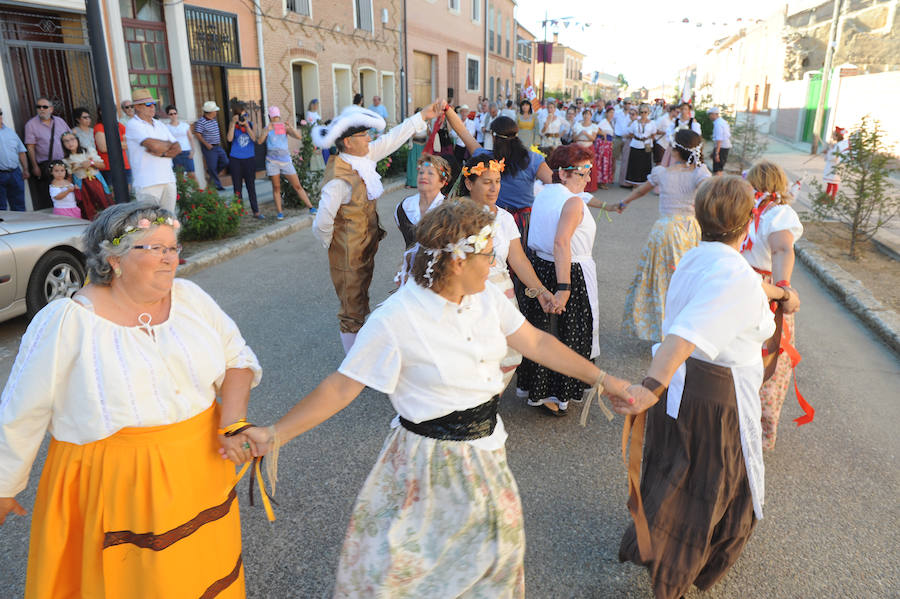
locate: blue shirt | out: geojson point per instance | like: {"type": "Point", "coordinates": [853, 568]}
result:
{"type": "Point", "coordinates": [517, 191]}
{"type": "Point", "coordinates": [277, 147]}
{"type": "Point", "coordinates": [10, 148]}
{"type": "Point", "coordinates": [380, 109]}
{"type": "Point", "coordinates": [242, 145]}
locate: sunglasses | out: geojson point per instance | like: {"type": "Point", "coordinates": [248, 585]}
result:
{"type": "Point", "coordinates": [129, 107]}
{"type": "Point", "coordinates": [42, 106]}
{"type": "Point", "coordinates": [149, 103]}
{"type": "Point", "coordinates": [173, 113]}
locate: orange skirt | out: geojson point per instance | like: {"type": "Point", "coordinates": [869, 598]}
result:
{"type": "Point", "coordinates": [149, 512]}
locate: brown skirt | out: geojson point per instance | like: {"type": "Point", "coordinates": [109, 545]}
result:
{"type": "Point", "coordinates": [694, 487]}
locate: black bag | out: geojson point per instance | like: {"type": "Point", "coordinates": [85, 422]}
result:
{"type": "Point", "coordinates": [44, 165]}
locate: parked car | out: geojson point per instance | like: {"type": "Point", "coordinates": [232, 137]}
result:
{"type": "Point", "coordinates": [40, 260]}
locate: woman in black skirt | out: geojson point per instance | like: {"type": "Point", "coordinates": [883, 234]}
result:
{"type": "Point", "coordinates": [703, 475]}
{"type": "Point", "coordinates": [561, 237]}
{"type": "Point", "coordinates": [640, 148]}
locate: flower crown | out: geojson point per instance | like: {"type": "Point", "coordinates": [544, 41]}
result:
{"type": "Point", "coordinates": [480, 168]}
{"type": "Point", "coordinates": [473, 244]}
{"type": "Point", "coordinates": [145, 224]}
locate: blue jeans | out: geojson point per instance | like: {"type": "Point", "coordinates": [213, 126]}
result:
{"type": "Point", "coordinates": [216, 161]}
{"type": "Point", "coordinates": [12, 190]}
{"type": "Point", "coordinates": [184, 161]}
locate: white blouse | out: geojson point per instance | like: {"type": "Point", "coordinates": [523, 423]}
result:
{"type": "Point", "coordinates": [775, 218]}
{"type": "Point", "coordinates": [545, 214]}
{"type": "Point", "coordinates": [645, 131]}
{"type": "Point", "coordinates": [84, 377]}
{"type": "Point", "coordinates": [606, 127]}
{"type": "Point", "coordinates": [433, 357]}
{"type": "Point", "coordinates": [716, 302]}
{"type": "Point", "coordinates": [411, 208]}
{"type": "Point", "coordinates": [582, 133]}
{"type": "Point", "coordinates": [505, 233]}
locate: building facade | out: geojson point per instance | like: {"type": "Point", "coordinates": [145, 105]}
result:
{"type": "Point", "coordinates": [525, 56]}
{"type": "Point", "coordinates": [330, 51]}
{"type": "Point", "coordinates": [562, 77]}
{"type": "Point", "coordinates": [501, 48]}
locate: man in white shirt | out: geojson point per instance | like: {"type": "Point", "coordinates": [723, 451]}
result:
{"type": "Point", "coordinates": [509, 111]}
{"type": "Point", "coordinates": [721, 138]}
{"type": "Point", "coordinates": [541, 115]}
{"type": "Point", "coordinates": [347, 221]}
{"type": "Point", "coordinates": [480, 117]}
{"type": "Point", "coordinates": [663, 124]}
{"type": "Point", "coordinates": [151, 147]}
{"type": "Point", "coordinates": [621, 122]}
{"type": "Point", "coordinates": [492, 114]}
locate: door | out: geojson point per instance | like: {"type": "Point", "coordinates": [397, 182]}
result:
{"type": "Point", "coordinates": [812, 102]}
{"type": "Point", "coordinates": [423, 79]}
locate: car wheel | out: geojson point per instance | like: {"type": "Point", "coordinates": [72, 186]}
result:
{"type": "Point", "coordinates": [57, 274]}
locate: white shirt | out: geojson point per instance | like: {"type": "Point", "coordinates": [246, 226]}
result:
{"type": "Point", "coordinates": [716, 302]}
{"type": "Point", "coordinates": [621, 122]}
{"type": "Point", "coordinates": [179, 132]}
{"type": "Point", "coordinates": [509, 113]}
{"type": "Point", "coordinates": [312, 117]}
{"type": "Point", "coordinates": [541, 116]}
{"type": "Point", "coordinates": [643, 130]}
{"type": "Point", "coordinates": [663, 124]}
{"type": "Point", "coordinates": [84, 377]}
{"type": "Point", "coordinates": [721, 132]}
{"type": "Point", "coordinates": [67, 201]}
{"type": "Point", "coordinates": [411, 208]}
{"type": "Point", "coordinates": [679, 124]}
{"type": "Point", "coordinates": [554, 126]}
{"type": "Point", "coordinates": [545, 214]}
{"type": "Point", "coordinates": [488, 143]}
{"type": "Point", "coordinates": [146, 168]}
{"type": "Point", "coordinates": [582, 133]}
{"type": "Point", "coordinates": [337, 191]}
{"type": "Point", "coordinates": [433, 357]}
{"type": "Point", "coordinates": [481, 119]}
{"type": "Point", "coordinates": [774, 218]}
{"type": "Point", "coordinates": [832, 158]}
{"type": "Point", "coordinates": [505, 233]}
{"type": "Point", "coordinates": [606, 127]}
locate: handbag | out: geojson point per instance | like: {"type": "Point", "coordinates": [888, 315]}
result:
{"type": "Point", "coordinates": [44, 165]}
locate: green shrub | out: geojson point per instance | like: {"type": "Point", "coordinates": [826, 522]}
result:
{"type": "Point", "coordinates": [203, 213]}
{"type": "Point", "coordinates": [706, 124]}
{"type": "Point", "coordinates": [310, 178]}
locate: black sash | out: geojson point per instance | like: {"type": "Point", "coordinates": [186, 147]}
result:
{"type": "Point", "coordinates": [464, 425]}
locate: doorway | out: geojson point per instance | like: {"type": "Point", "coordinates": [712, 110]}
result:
{"type": "Point", "coordinates": [423, 80]}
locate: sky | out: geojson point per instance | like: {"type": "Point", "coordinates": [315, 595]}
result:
{"type": "Point", "coordinates": [646, 40]}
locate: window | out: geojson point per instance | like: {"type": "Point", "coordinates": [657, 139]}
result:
{"type": "Point", "coordinates": [491, 28]}
{"type": "Point", "coordinates": [363, 11]}
{"type": "Point", "coordinates": [301, 7]}
{"type": "Point", "coordinates": [453, 5]}
{"type": "Point", "coordinates": [499, 29]}
{"type": "Point", "coordinates": [473, 74]}
{"type": "Point", "coordinates": [148, 58]}
{"type": "Point", "coordinates": [490, 87]}
{"type": "Point", "coordinates": [141, 10]}
{"type": "Point", "coordinates": [212, 36]}
{"type": "Point", "coordinates": [476, 11]}
{"type": "Point", "coordinates": [508, 23]}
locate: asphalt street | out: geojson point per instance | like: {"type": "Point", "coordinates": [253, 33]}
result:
{"type": "Point", "coordinates": [832, 513]}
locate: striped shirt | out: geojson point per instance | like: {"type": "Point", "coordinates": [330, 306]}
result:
{"type": "Point", "coordinates": [209, 130]}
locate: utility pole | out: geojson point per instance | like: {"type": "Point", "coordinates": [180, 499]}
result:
{"type": "Point", "coordinates": [97, 40]}
{"type": "Point", "coordinates": [544, 57]}
{"type": "Point", "coordinates": [826, 74]}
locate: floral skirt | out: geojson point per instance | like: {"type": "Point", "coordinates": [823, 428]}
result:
{"type": "Point", "coordinates": [604, 163]}
{"type": "Point", "coordinates": [147, 512]}
{"type": "Point", "coordinates": [435, 519]}
{"type": "Point", "coordinates": [512, 359]}
{"type": "Point", "coordinates": [670, 238]}
{"type": "Point", "coordinates": [775, 389]}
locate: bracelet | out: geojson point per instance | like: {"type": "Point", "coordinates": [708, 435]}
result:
{"type": "Point", "coordinates": [783, 283]}
{"type": "Point", "coordinates": [654, 386]}
{"type": "Point", "coordinates": [234, 428]}
{"type": "Point", "coordinates": [563, 286]}
{"type": "Point", "coordinates": [533, 292]}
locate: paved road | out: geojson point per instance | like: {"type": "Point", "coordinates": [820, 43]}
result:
{"type": "Point", "coordinates": [832, 513]}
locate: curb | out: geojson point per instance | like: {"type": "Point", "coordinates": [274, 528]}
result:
{"type": "Point", "coordinates": [241, 245]}
{"type": "Point", "coordinates": [852, 293]}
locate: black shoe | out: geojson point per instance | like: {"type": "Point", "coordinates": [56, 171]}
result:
{"type": "Point", "coordinates": [220, 188]}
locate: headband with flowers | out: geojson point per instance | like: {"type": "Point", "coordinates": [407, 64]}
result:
{"type": "Point", "coordinates": [145, 224]}
{"type": "Point", "coordinates": [479, 169]}
{"type": "Point", "coordinates": [473, 244]}
{"type": "Point", "coordinates": [694, 158]}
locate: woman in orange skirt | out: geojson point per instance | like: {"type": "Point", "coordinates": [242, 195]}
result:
{"type": "Point", "coordinates": [134, 499]}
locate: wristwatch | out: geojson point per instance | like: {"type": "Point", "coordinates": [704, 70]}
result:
{"type": "Point", "coordinates": [654, 386]}
{"type": "Point", "coordinates": [564, 287]}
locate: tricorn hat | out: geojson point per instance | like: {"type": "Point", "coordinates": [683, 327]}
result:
{"type": "Point", "coordinates": [352, 119]}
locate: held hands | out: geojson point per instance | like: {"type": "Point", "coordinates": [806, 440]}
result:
{"type": "Point", "coordinates": [548, 302]}
{"type": "Point", "coordinates": [561, 299]}
{"type": "Point", "coordinates": [642, 399]}
{"type": "Point", "coordinates": [792, 304]}
{"type": "Point", "coordinates": [9, 504]}
{"type": "Point", "coordinates": [239, 449]}
{"type": "Point", "coordinates": [435, 109]}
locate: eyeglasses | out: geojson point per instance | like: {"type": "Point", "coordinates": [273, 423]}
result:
{"type": "Point", "coordinates": [129, 107]}
{"type": "Point", "coordinates": [157, 249]}
{"type": "Point", "coordinates": [42, 106]}
{"type": "Point", "coordinates": [492, 254]}
{"type": "Point", "coordinates": [173, 113]}
{"type": "Point", "coordinates": [360, 134]}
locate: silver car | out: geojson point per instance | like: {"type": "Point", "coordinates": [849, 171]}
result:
{"type": "Point", "coordinates": [40, 260]}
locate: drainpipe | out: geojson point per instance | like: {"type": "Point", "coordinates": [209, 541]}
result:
{"type": "Point", "coordinates": [485, 69]}
{"type": "Point", "coordinates": [262, 57]}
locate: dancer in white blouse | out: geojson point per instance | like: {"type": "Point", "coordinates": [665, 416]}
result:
{"type": "Point", "coordinates": [702, 488]}
{"type": "Point", "coordinates": [125, 377]}
{"type": "Point", "coordinates": [433, 176]}
{"type": "Point", "coordinates": [439, 515]}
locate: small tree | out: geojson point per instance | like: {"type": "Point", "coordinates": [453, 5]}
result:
{"type": "Point", "coordinates": [866, 199]}
{"type": "Point", "coordinates": [748, 144]}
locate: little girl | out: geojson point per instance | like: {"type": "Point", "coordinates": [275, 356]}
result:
{"type": "Point", "coordinates": [833, 154]}
{"type": "Point", "coordinates": [85, 166]}
{"type": "Point", "coordinates": [62, 191]}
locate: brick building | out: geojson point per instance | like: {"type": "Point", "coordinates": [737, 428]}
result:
{"type": "Point", "coordinates": [330, 51]}
{"type": "Point", "coordinates": [501, 50]}
{"type": "Point", "coordinates": [525, 56]}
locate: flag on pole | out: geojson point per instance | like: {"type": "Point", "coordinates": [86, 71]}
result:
{"type": "Point", "coordinates": [529, 88]}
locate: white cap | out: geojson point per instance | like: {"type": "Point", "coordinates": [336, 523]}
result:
{"type": "Point", "coordinates": [210, 106]}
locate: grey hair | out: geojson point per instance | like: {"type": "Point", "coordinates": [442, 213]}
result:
{"type": "Point", "coordinates": [492, 105]}
{"type": "Point", "coordinates": [111, 223]}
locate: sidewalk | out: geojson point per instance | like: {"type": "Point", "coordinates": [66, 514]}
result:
{"type": "Point", "coordinates": [796, 160]}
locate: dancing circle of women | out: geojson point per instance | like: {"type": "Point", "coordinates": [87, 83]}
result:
{"type": "Point", "coordinates": [490, 269]}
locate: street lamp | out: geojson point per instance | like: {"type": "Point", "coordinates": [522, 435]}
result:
{"type": "Point", "coordinates": [566, 21]}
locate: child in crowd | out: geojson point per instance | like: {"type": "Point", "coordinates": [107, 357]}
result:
{"type": "Point", "coordinates": [62, 191]}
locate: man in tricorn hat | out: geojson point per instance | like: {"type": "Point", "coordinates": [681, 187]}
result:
{"type": "Point", "coordinates": [347, 220]}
